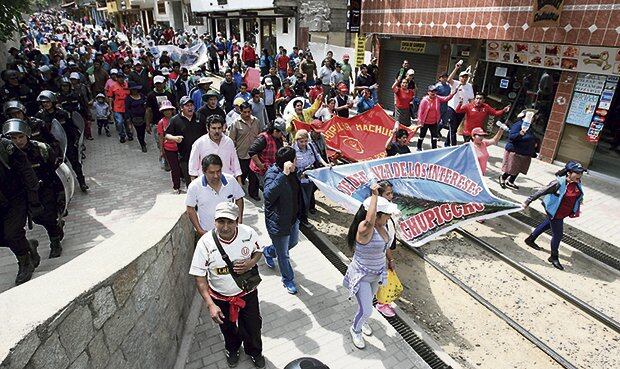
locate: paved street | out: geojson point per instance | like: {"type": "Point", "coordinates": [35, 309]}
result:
{"type": "Point", "coordinates": [313, 323]}
{"type": "Point", "coordinates": [124, 183]}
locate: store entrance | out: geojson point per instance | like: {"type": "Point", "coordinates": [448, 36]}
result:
{"type": "Point", "coordinates": [606, 158]}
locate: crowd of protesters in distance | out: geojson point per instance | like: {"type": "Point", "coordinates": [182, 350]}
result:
{"type": "Point", "coordinates": [221, 144]}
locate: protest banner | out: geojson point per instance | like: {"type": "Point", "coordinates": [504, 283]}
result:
{"type": "Point", "coordinates": [362, 137]}
{"type": "Point", "coordinates": [435, 190]}
{"type": "Point", "coordinates": [191, 58]}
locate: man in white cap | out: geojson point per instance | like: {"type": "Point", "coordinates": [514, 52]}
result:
{"type": "Point", "coordinates": [464, 94]}
{"type": "Point", "coordinates": [203, 85]}
{"type": "Point", "coordinates": [234, 310]}
{"type": "Point", "coordinates": [153, 102]}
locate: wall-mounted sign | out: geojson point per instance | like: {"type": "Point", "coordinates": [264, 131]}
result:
{"type": "Point", "coordinates": [112, 6]}
{"type": "Point", "coordinates": [602, 110]}
{"type": "Point", "coordinates": [501, 71]}
{"type": "Point", "coordinates": [590, 83]}
{"type": "Point", "coordinates": [354, 15]}
{"type": "Point", "coordinates": [598, 60]}
{"type": "Point", "coordinates": [360, 48]}
{"type": "Point", "coordinates": [546, 13]}
{"type": "Point", "coordinates": [503, 83]}
{"type": "Point", "coordinates": [581, 109]}
{"type": "Point", "coordinates": [417, 47]}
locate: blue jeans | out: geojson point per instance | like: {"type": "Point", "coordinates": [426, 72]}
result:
{"type": "Point", "coordinates": [557, 231]}
{"type": "Point", "coordinates": [119, 121]}
{"type": "Point", "coordinates": [280, 250]}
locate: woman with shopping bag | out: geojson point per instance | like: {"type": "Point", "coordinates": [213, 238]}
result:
{"type": "Point", "coordinates": [368, 269]}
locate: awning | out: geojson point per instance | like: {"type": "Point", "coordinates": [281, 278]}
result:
{"type": "Point", "coordinates": [68, 5]}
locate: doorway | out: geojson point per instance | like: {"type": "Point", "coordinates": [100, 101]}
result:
{"type": "Point", "coordinates": [606, 158]}
{"type": "Point", "coordinates": [268, 35]}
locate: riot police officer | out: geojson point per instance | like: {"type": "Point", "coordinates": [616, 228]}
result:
{"type": "Point", "coordinates": [48, 113]}
{"type": "Point", "coordinates": [40, 130]}
{"type": "Point", "coordinates": [44, 164]}
{"type": "Point", "coordinates": [13, 89]}
{"type": "Point", "coordinates": [70, 100]}
{"type": "Point", "coordinates": [18, 194]}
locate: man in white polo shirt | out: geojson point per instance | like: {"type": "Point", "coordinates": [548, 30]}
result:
{"type": "Point", "coordinates": [464, 94]}
{"type": "Point", "coordinates": [237, 312]}
{"type": "Point", "coordinates": [210, 189]}
{"type": "Point", "coordinates": [215, 142]}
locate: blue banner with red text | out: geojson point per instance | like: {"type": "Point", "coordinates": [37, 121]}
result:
{"type": "Point", "coordinates": [435, 190]}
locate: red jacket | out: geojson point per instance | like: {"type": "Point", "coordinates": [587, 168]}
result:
{"type": "Point", "coordinates": [476, 116]}
{"type": "Point", "coordinates": [427, 104]}
{"type": "Point", "coordinates": [402, 98]}
{"type": "Point", "coordinates": [248, 54]}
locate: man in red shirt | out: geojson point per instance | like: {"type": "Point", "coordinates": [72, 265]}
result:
{"type": "Point", "coordinates": [117, 92]}
{"type": "Point", "coordinates": [282, 60]}
{"type": "Point", "coordinates": [248, 55]}
{"type": "Point", "coordinates": [477, 113]}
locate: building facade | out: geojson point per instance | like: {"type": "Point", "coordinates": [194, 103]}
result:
{"type": "Point", "coordinates": [559, 56]}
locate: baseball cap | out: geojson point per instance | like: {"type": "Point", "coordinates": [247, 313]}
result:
{"type": "Point", "coordinates": [464, 73]}
{"type": "Point", "coordinates": [410, 72]}
{"type": "Point", "coordinates": [238, 101]}
{"type": "Point", "coordinates": [74, 75]}
{"type": "Point", "coordinates": [211, 93]}
{"type": "Point", "coordinates": [383, 205]}
{"type": "Point", "coordinates": [113, 71]}
{"type": "Point", "coordinates": [166, 105]}
{"type": "Point", "coordinates": [268, 81]}
{"type": "Point", "coordinates": [227, 210]}
{"type": "Point", "coordinates": [185, 100]}
{"type": "Point", "coordinates": [575, 167]}
{"type": "Point", "coordinates": [432, 88]}
{"type": "Point", "coordinates": [159, 79]}
{"type": "Point", "coordinates": [204, 81]}
{"type": "Point", "coordinates": [478, 131]}
{"type": "Point", "coordinates": [165, 71]}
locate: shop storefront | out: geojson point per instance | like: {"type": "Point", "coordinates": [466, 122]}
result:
{"type": "Point", "coordinates": [579, 120]}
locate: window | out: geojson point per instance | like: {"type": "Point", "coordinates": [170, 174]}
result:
{"type": "Point", "coordinates": [285, 25]}
{"type": "Point", "coordinates": [192, 19]}
{"type": "Point", "coordinates": [161, 7]}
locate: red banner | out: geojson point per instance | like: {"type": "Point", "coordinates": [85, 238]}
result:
{"type": "Point", "coordinates": [362, 137]}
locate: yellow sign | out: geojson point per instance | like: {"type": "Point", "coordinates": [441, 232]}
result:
{"type": "Point", "coordinates": [546, 13]}
{"type": "Point", "coordinates": [360, 49]}
{"type": "Point", "coordinates": [112, 6]}
{"type": "Point", "coordinates": [417, 47]}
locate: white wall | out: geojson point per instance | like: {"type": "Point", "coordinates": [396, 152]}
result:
{"type": "Point", "coordinates": [207, 6]}
{"type": "Point", "coordinates": [287, 40]}
{"type": "Point", "coordinates": [319, 50]}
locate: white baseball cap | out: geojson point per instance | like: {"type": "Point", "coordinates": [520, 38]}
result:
{"type": "Point", "coordinates": [383, 205]}
{"type": "Point", "coordinates": [228, 210]}
{"type": "Point", "coordinates": [268, 81]}
{"type": "Point", "coordinates": [74, 75]}
{"type": "Point", "coordinates": [113, 71]}
{"type": "Point", "coordinates": [159, 79]}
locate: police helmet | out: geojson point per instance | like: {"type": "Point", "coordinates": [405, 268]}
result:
{"type": "Point", "coordinates": [15, 125]}
{"type": "Point", "coordinates": [46, 95]}
{"type": "Point", "coordinates": [12, 105]}
{"type": "Point", "coordinates": [280, 125]}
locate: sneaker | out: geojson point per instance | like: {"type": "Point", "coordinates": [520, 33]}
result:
{"type": "Point", "coordinates": [366, 329]}
{"type": "Point", "coordinates": [269, 261]}
{"type": "Point", "coordinates": [502, 182]}
{"type": "Point", "coordinates": [143, 147]}
{"type": "Point", "coordinates": [122, 140]}
{"type": "Point", "coordinates": [290, 288]}
{"type": "Point", "coordinates": [107, 133]}
{"type": "Point", "coordinates": [358, 339]}
{"type": "Point", "coordinates": [259, 361]}
{"type": "Point", "coordinates": [232, 358]}
{"type": "Point", "coordinates": [385, 310]}
{"type": "Point", "coordinates": [306, 224]}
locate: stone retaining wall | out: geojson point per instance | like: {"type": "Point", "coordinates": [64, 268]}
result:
{"type": "Point", "coordinates": [134, 318]}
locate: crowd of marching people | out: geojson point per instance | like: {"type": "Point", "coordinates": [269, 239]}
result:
{"type": "Point", "coordinates": [67, 80]}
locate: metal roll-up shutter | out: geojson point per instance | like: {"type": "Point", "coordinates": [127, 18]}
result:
{"type": "Point", "coordinates": [425, 67]}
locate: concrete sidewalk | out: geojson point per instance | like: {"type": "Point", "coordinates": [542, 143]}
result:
{"type": "Point", "coordinates": [601, 202]}
{"type": "Point", "coordinates": [313, 323]}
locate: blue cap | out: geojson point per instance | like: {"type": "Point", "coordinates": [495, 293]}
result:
{"type": "Point", "coordinates": [575, 167]}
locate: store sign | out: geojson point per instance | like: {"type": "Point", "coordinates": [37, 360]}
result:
{"type": "Point", "coordinates": [354, 15]}
{"type": "Point", "coordinates": [503, 83]}
{"type": "Point", "coordinates": [112, 6]}
{"type": "Point", "coordinates": [602, 110]}
{"type": "Point", "coordinates": [599, 60]}
{"type": "Point", "coordinates": [546, 13]}
{"type": "Point", "coordinates": [417, 47]}
{"type": "Point", "coordinates": [360, 49]}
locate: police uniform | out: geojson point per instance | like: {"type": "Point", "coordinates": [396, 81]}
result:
{"type": "Point", "coordinates": [18, 191]}
{"type": "Point", "coordinates": [21, 93]}
{"type": "Point", "coordinates": [73, 136]}
{"type": "Point", "coordinates": [51, 193]}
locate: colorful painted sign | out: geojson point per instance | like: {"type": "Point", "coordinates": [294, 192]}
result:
{"type": "Point", "coordinates": [546, 13]}
{"type": "Point", "coordinates": [602, 110]}
{"type": "Point", "coordinates": [435, 190]}
{"type": "Point", "coordinates": [598, 60]}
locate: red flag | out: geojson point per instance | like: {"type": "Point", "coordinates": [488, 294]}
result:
{"type": "Point", "coordinates": [362, 137]}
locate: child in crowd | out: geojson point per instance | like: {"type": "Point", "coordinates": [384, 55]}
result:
{"type": "Point", "coordinates": [103, 114]}
{"type": "Point", "coordinates": [169, 149]}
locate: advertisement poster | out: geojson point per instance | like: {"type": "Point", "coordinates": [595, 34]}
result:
{"type": "Point", "coordinates": [602, 110]}
{"type": "Point", "coordinates": [435, 190]}
{"type": "Point", "coordinates": [590, 83]}
{"type": "Point", "coordinates": [581, 109]}
{"type": "Point", "coordinates": [598, 60]}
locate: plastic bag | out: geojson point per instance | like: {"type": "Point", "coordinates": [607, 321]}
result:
{"type": "Point", "coordinates": [392, 290]}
